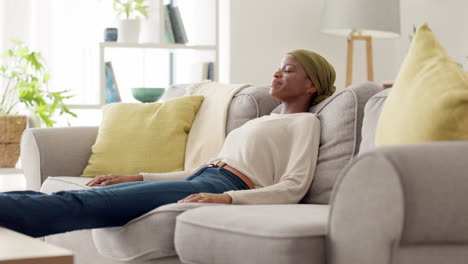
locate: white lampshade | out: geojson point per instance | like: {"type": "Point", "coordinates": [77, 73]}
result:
{"type": "Point", "coordinates": [376, 18]}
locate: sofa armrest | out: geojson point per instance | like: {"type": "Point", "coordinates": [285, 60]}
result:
{"type": "Point", "coordinates": [396, 196]}
{"type": "Point", "coordinates": [55, 152]}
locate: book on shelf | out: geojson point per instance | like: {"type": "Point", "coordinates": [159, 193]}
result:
{"type": "Point", "coordinates": [202, 71]}
{"type": "Point", "coordinates": [178, 29]}
{"type": "Point", "coordinates": [111, 92]}
{"type": "Point", "coordinates": [210, 71]}
{"type": "Point", "coordinates": [169, 34]}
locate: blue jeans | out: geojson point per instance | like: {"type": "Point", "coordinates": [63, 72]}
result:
{"type": "Point", "coordinates": [38, 214]}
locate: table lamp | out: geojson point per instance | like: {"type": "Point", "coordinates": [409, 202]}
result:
{"type": "Point", "coordinates": [361, 20]}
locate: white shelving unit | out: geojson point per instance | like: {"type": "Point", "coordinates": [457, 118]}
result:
{"type": "Point", "coordinates": [103, 46]}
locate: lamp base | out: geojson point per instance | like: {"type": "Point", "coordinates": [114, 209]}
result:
{"type": "Point", "coordinates": [349, 67]}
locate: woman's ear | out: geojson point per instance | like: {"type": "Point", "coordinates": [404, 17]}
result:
{"type": "Point", "coordinates": [310, 87]}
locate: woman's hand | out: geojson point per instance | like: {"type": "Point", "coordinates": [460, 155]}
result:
{"type": "Point", "coordinates": [110, 179]}
{"type": "Point", "coordinates": [207, 198]}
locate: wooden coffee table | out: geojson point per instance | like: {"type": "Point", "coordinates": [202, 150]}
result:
{"type": "Point", "coordinates": [16, 248]}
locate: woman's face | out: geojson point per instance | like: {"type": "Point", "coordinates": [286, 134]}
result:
{"type": "Point", "coordinates": [290, 81]}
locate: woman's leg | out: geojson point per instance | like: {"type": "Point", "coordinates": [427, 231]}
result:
{"type": "Point", "coordinates": [38, 214]}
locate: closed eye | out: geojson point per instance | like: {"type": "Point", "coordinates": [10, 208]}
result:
{"type": "Point", "coordinates": [286, 68]}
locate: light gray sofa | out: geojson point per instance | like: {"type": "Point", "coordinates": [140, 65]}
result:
{"type": "Point", "coordinates": [388, 205]}
{"type": "Point", "coordinates": [53, 157]}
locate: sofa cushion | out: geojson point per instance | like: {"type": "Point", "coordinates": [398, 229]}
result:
{"type": "Point", "coordinates": [253, 234]}
{"type": "Point", "coordinates": [150, 236]}
{"type": "Point", "coordinates": [81, 244]}
{"type": "Point", "coordinates": [340, 120]}
{"type": "Point", "coordinates": [429, 100]}
{"type": "Point", "coordinates": [135, 137]}
{"type": "Point", "coordinates": [64, 183]}
{"type": "Point", "coordinates": [371, 116]}
{"type": "Point", "coordinates": [249, 103]}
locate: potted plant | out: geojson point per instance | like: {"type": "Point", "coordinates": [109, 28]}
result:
{"type": "Point", "coordinates": [129, 24]}
{"type": "Point", "coordinates": [24, 78]}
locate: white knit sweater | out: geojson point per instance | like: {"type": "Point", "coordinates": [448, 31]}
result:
{"type": "Point", "coordinates": [277, 152]}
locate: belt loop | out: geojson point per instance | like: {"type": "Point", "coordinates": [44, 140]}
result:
{"type": "Point", "coordinates": [222, 164]}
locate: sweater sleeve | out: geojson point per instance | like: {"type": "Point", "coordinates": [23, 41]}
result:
{"type": "Point", "coordinates": [171, 176]}
{"type": "Point", "coordinates": [287, 191]}
{"type": "Point", "coordinates": [297, 177]}
{"type": "Point", "coordinates": [168, 176]}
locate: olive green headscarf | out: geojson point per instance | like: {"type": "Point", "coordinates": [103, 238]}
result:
{"type": "Point", "coordinates": [320, 72]}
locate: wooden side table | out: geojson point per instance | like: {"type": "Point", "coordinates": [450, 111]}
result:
{"type": "Point", "coordinates": [16, 248]}
{"type": "Point", "coordinates": [387, 85]}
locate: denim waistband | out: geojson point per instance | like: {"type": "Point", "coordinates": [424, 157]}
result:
{"type": "Point", "coordinates": [222, 173]}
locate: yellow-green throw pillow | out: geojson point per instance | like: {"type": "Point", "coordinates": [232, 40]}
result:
{"type": "Point", "coordinates": [429, 100]}
{"type": "Point", "coordinates": [148, 137]}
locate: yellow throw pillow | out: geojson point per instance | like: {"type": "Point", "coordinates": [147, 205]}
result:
{"type": "Point", "coordinates": [148, 137]}
{"type": "Point", "coordinates": [429, 100]}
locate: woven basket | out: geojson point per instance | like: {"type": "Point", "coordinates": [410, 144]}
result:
{"type": "Point", "coordinates": [11, 129]}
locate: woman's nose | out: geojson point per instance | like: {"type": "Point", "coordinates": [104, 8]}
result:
{"type": "Point", "coordinates": [277, 74]}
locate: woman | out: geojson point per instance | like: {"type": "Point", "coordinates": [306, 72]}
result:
{"type": "Point", "coordinates": [269, 160]}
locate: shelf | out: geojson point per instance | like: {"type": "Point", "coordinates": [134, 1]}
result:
{"type": "Point", "coordinates": [207, 20]}
{"type": "Point", "coordinates": [89, 106]}
{"type": "Point", "coordinates": [156, 46]}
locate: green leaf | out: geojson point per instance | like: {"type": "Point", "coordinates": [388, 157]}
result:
{"type": "Point", "coordinates": [33, 59]}
{"type": "Point", "coordinates": [45, 78]}
{"type": "Point", "coordinates": [17, 42]}
{"type": "Point", "coordinates": [130, 7]}
{"type": "Point", "coordinates": [142, 10]}
{"type": "Point", "coordinates": [22, 51]}
{"type": "Point", "coordinates": [27, 81]}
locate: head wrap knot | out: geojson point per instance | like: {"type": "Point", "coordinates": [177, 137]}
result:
{"type": "Point", "coordinates": [320, 72]}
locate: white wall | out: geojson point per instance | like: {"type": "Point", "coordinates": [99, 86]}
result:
{"type": "Point", "coordinates": [448, 20]}
{"type": "Point", "coordinates": [262, 31]}
{"type": "Point", "coordinates": [17, 13]}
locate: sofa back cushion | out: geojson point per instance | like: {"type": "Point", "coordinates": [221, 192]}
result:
{"type": "Point", "coordinates": [249, 103]}
{"type": "Point", "coordinates": [340, 120]}
{"type": "Point", "coordinates": [371, 117]}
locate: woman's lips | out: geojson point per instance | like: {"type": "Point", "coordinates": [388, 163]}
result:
{"type": "Point", "coordinates": [275, 83]}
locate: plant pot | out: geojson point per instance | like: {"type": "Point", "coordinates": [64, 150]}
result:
{"type": "Point", "coordinates": [129, 30]}
{"type": "Point", "coordinates": [149, 30]}
{"type": "Point", "coordinates": [11, 129]}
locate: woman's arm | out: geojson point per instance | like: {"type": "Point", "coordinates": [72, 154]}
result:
{"type": "Point", "coordinates": [288, 191]}
{"type": "Point", "coordinates": [220, 198]}
{"type": "Point", "coordinates": [104, 180]}
{"type": "Point", "coordinates": [168, 176]}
